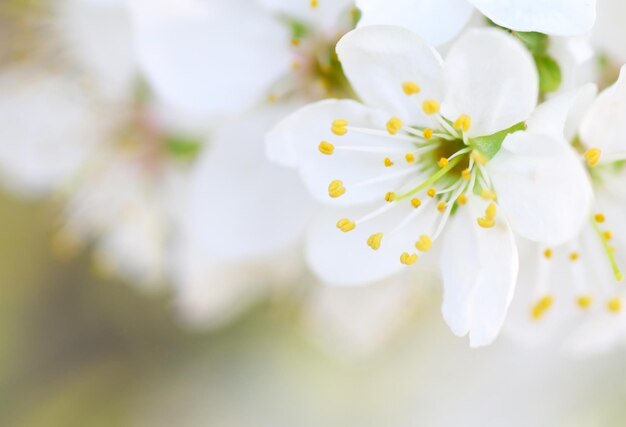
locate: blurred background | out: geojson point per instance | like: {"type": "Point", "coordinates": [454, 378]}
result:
{"type": "Point", "coordinates": [92, 334]}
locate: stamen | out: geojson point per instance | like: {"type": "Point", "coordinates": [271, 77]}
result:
{"type": "Point", "coordinates": [599, 218]}
{"type": "Point", "coordinates": [326, 148]}
{"type": "Point", "coordinates": [441, 206]}
{"type": "Point", "coordinates": [390, 196]}
{"type": "Point", "coordinates": [463, 123]}
{"type": "Point", "coordinates": [433, 178]}
{"type": "Point", "coordinates": [314, 4]}
{"type": "Point", "coordinates": [346, 225]}
{"type": "Point", "coordinates": [424, 243]}
{"type": "Point", "coordinates": [462, 200]}
{"type": "Point", "coordinates": [574, 256]}
{"type": "Point", "coordinates": [443, 162]}
{"type": "Point", "coordinates": [478, 157]}
{"type": "Point", "coordinates": [610, 252]}
{"type": "Point", "coordinates": [488, 194]}
{"type": "Point", "coordinates": [410, 157]}
{"type": "Point", "coordinates": [466, 174]}
{"type": "Point", "coordinates": [408, 259]}
{"type": "Point", "coordinates": [541, 307]}
{"type": "Point", "coordinates": [416, 202]}
{"type": "Point", "coordinates": [411, 88]}
{"type": "Point", "coordinates": [430, 107]}
{"type": "Point", "coordinates": [394, 125]}
{"type": "Point", "coordinates": [614, 305]}
{"type": "Point", "coordinates": [388, 162]}
{"type": "Point", "coordinates": [548, 253]}
{"type": "Point", "coordinates": [584, 301]}
{"type": "Point", "coordinates": [428, 133]}
{"type": "Point", "coordinates": [375, 240]}
{"type": "Point", "coordinates": [339, 127]}
{"type": "Point", "coordinates": [336, 189]}
{"type": "Point", "coordinates": [593, 156]}
{"type": "Point", "coordinates": [431, 192]}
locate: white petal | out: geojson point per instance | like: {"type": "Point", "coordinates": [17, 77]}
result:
{"type": "Point", "coordinates": [48, 130]}
{"type": "Point", "coordinates": [560, 116]}
{"type": "Point", "coordinates": [437, 22]}
{"type": "Point", "coordinates": [479, 268]}
{"type": "Point", "coordinates": [241, 205]}
{"type": "Point", "coordinates": [577, 60]}
{"type": "Point", "coordinates": [345, 259]}
{"type": "Point", "coordinates": [603, 126]}
{"type": "Point", "coordinates": [542, 187]}
{"type": "Point", "coordinates": [491, 77]}
{"type": "Point", "coordinates": [210, 57]}
{"type": "Point", "coordinates": [608, 33]}
{"type": "Point", "coordinates": [556, 17]}
{"type": "Point", "coordinates": [377, 60]}
{"type": "Point", "coordinates": [296, 140]}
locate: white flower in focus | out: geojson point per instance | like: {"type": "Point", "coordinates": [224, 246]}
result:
{"type": "Point", "coordinates": [575, 289]}
{"type": "Point", "coordinates": [435, 143]}
{"type": "Point", "coordinates": [440, 21]}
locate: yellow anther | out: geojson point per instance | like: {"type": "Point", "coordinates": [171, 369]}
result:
{"type": "Point", "coordinates": [488, 194]}
{"type": "Point", "coordinates": [295, 42]}
{"type": "Point", "coordinates": [462, 200]}
{"type": "Point", "coordinates": [574, 256]}
{"type": "Point", "coordinates": [430, 106]}
{"type": "Point", "coordinates": [541, 307]}
{"type": "Point", "coordinates": [443, 162]}
{"type": "Point", "coordinates": [272, 99]}
{"type": "Point", "coordinates": [375, 240]}
{"type": "Point", "coordinates": [336, 189]}
{"type": "Point", "coordinates": [478, 157]}
{"type": "Point", "coordinates": [441, 206]}
{"type": "Point", "coordinates": [431, 192]}
{"type": "Point", "coordinates": [416, 202]}
{"type": "Point", "coordinates": [600, 218]}
{"type": "Point", "coordinates": [390, 196]}
{"type": "Point", "coordinates": [424, 243]}
{"type": "Point", "coordinates": [394, 125]}
{"type": "Point", "coordinates": [584, 301]}
{"type": "Point", "coordinates": [614, 305]}
{"type": "Point", "coordinates": [607, 235]}
{"type": "Point", "coordinates": [339, 127]}
{"type": "Point", "coordinates": [491, 210]}
{"type": "Point", "coordinates": [327, 148]}
{"type": "Point", "coordinates": [463, 123]}
{"type": "Point", "coordinates": [314, 4]}
{"type": "Point", "coordinates": [295, 65]}
{"type": "Point", "coordinates": [548, 253]}
{"type": "Point", "coordinates": [408, 259]}
{"type": "Point", "coordinates": [346, 225]}
{"type": "Point", "coordinates": [410, 157]}
{"type": "Point", "coordinates": [486, 222]}
{"type": "Point", "coordinates": [428, 133]}
{"type": "Point", "coordinates": [411, 88]}
{"type": "Point", "coordinates": [593, 156]}
{"type": "Point", "coordinates": [388, 162]}
{"type": "Point", "coordinates": [466, 174]}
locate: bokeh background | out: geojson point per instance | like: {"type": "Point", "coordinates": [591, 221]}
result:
{"type": "Point", "coordinates": [82, 347]}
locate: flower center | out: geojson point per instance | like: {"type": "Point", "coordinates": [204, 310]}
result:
{"type": "Point", "coordinates": [426, 169]}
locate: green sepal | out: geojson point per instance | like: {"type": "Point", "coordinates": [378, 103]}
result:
{"type": "Point", "coordinates": [183, 148]}
{"type": "Point", "coordinates": [550, 76]}
{"type": "Point", "coordinates": [491, 144]}
{"type": "Point", "coordinates": [299, 30]}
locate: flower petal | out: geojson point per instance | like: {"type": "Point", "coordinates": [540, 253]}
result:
{"type": "Point", "coordinates": [491, 77]}
{"type": "Point", "coordinates": [542, 186]}
{"type": "Point", "coordinates": [210, 57]}
{"type": "Point", "coordinates": [241, 205]}
{"type": "Point", "coordinates": [560, 116]}
{"type": "Point", "coordinates": [437, 22]}
{"type": "Point", "coordinates": [377, 61]}
{"type": "Point", "coordinates": [479, 268]}
{"type": "Point", "coordinates": [345, 258]}
{"type": "Point", "coordinates": [326, 15]}
{"type": "Point", "coordinates": [603, 126]}
{"type": "Point", "coordinates": [297, 139]}
{"type": "Point", "coordinates": [556, 17]}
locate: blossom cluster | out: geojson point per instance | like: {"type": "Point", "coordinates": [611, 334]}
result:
{"type": "Point", "coordinates": [340, 152]}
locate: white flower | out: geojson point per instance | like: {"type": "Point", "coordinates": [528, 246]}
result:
{"type": "Point", "coordinates": [609, 32]}
{"type": "Point", "coordinates": [439, 21]}
{"type": "Point", "coordinates": [399, 167]}
{"type": "Point", "coordinates": [579, 281]}
{"type": "Point", "coordinates": [224, 56]}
